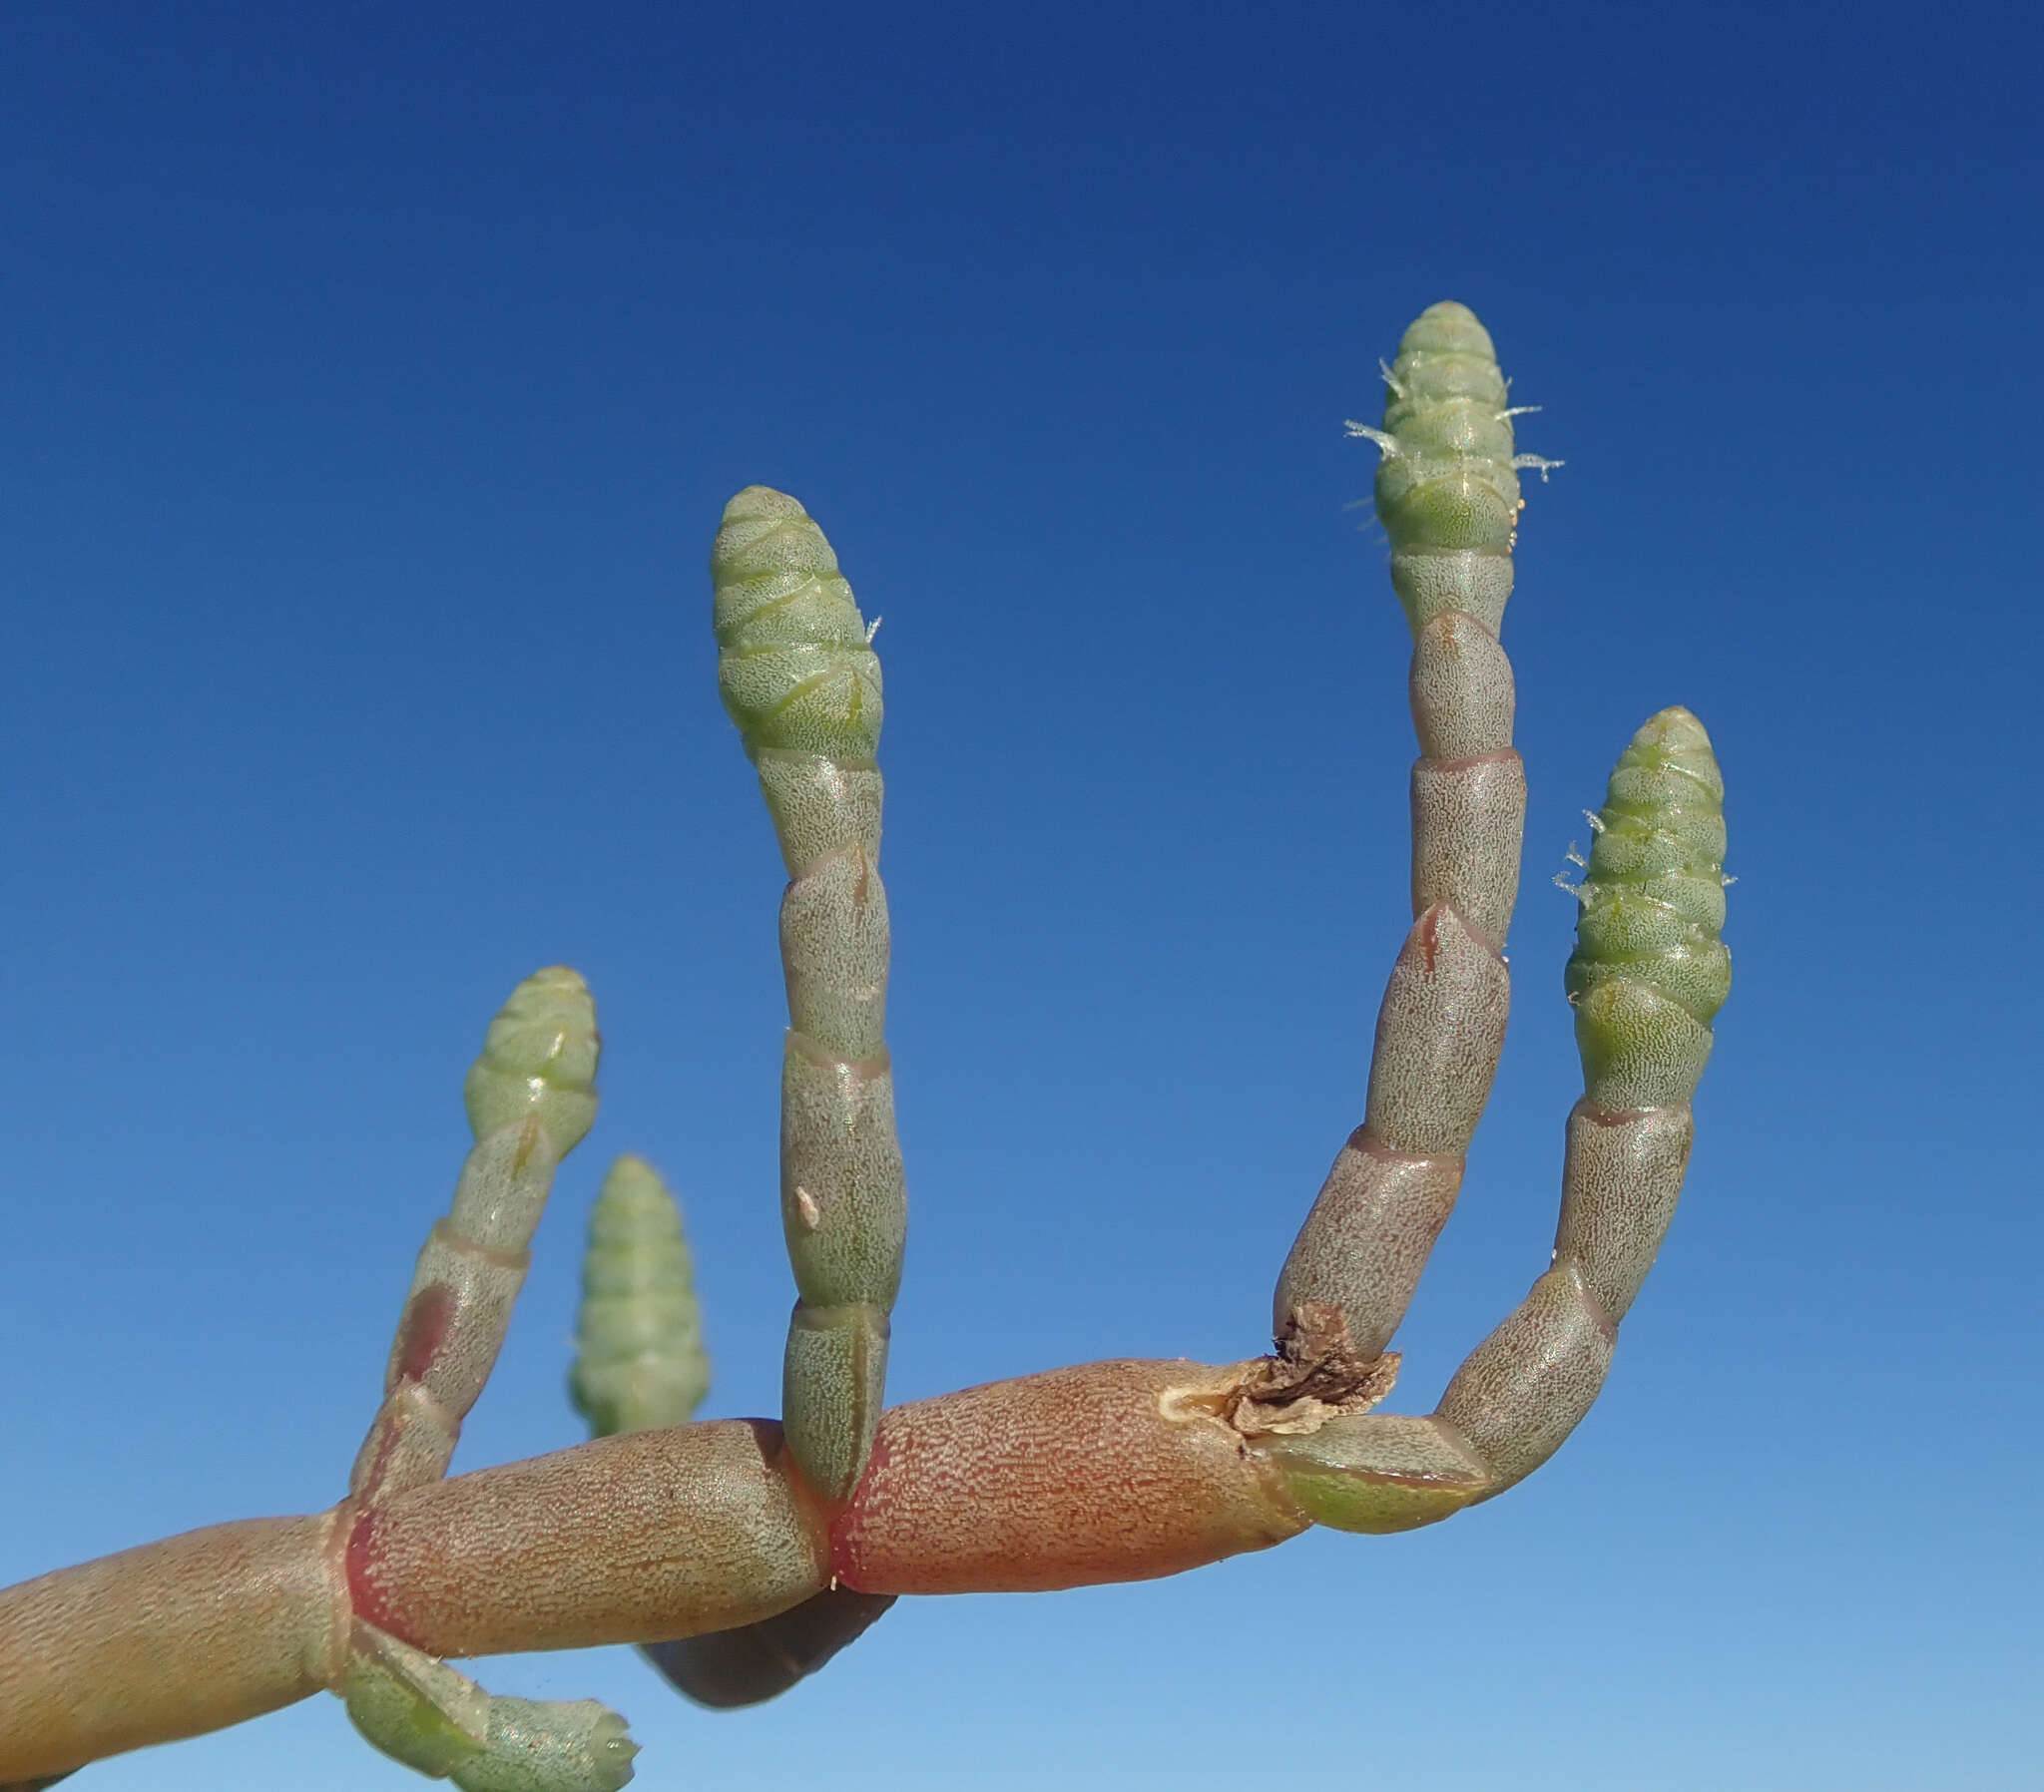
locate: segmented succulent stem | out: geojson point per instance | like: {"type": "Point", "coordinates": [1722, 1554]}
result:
{"type": "Point", "coordinates": [800, 677]}
{"type": "Point", "coordinates": [1647, 974]}
{"type": "Point", "coordinates": [758, 1552]}
{"type": "Point", "coordinates": [1447, 455]}
{"type": "Point", "coordinates": [640, 1365]}
{"type": "Point", "coordinates": [531, 1098]}
{"type": "Point", "coordinates": [638, 1356]}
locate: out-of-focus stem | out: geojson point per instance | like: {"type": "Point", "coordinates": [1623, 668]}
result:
{"type": "Point", "coordinates": [638, 1356]}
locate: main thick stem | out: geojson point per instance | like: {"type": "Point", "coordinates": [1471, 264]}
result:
{"type": "Point", "coordinates": [168, 1640]}
{"type": "Point", "coordinates": [1117, 1471]}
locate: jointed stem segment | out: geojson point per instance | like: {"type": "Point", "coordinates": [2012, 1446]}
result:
{"type": "Point", "coordinates": [1449, 499]}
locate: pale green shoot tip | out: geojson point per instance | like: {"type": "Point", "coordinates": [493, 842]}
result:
{"type": "Point", "coordinates": [539, 1061]}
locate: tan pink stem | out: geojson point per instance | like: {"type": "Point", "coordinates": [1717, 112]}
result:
{"type": "Point", "coordinates": [167, 1641]}
{"type": "Point", "coordinates": [1118, 1470]}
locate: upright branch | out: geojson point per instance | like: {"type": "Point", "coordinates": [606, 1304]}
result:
{"type": "Point", "coordinates": [1447, 494]}
{"type": "Point", "coordinates": [531, 1098]}
{"type": "Point", "coordinates": [800, 677]}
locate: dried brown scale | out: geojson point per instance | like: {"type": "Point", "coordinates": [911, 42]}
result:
{"type": "Point", "coordinates": [1315, 1374]}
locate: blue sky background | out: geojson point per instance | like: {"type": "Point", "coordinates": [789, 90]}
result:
{"type": "Point", "coordinates": [371, 384]}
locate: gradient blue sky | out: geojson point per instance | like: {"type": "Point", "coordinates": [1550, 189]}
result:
{"type": "Point", "coordinates": [371, 384]}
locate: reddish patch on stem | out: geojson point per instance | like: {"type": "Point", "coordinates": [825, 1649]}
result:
{"type": "Point", "coordinates": [1106, 1472]}
{"type": "Point", "coordinates": [422, 1332]}
{"type": "Point", "coordinates": [1430, 936]}
{"type": "Point", "coordinates": [365, 1596]}
{"type": "Point", "coordinates": [846, 1554]}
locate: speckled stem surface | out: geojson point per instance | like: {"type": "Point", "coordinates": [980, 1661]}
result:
{"type": "Point", "coordinates": [1648, 973]}
{"type": "Point", "coordinates": [800, 677]}
{"type": "Point", "coordinates": [170, 1639]}
{"type": "Point", "coordinates": [1448, 496]}
{"type": "Point", "coordinates": [1117, 1471]}
{"type": "Point", "coordinates": [531, 1098]}
{"type": "Point", "coordinates": [640, 1365]}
